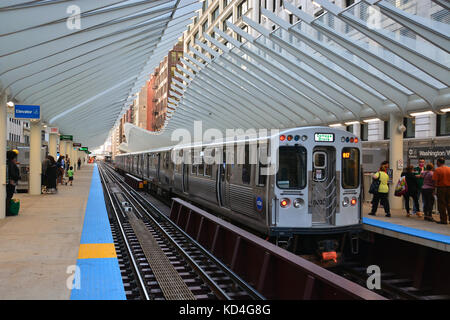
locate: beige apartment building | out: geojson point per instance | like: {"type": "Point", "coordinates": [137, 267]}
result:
{"type": "Point", "coordinates": [425, 133]}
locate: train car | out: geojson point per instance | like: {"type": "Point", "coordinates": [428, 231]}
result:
{"type": "Point", "coordinates": [311, 202]}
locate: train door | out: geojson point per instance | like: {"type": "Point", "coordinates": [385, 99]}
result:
{"type": "Point", "coordinates": [158, 166]}
{"type": "Point", "coordinates": [223, 183]}
{"type": "Point", "coordinates": [323, 186]}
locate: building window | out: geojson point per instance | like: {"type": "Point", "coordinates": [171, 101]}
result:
{"type": "Point", "coordinates": [226, 3]}
{"type": "Point", "coordinates": [215, 14]}
{"type": "Point", "coordinates": [274, 4]}
{"type": "Point", "coordinates": [387, 134]}
{"type": "Point", "coordinates": [196, 35]}
{"type": "Point", "coordinates": [205, 26]}
{"type": "Point", "coordinates": [410, 124]}
{"type": "Point", "coordinates": [364, 133]}
{"type": "Point", "coordinates": [227, 19]}
{"type": "Point", "coordinates": [443, 124]}
{"type": "Point", "coordinates": [242, 8]}
{"type": "Point", "coordinates": [348, 3]}
{"type": "Point", "coordinates": [204, 6]}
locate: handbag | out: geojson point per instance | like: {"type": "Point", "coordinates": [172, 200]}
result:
{"type": "Point", "coordinates": [401, 187]}
{"type": "Point", "coordinates": [374, 186]}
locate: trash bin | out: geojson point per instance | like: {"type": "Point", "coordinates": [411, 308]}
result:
{"type": "Point", "coordinates": [14, 207]}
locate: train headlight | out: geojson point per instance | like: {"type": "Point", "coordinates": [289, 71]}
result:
{"type": "Point", "coordinates": [354, 201]}
{"type": "Point", "coordinates": [298, 203]}
{"type": "Point", "coordinates": [345, 202]}
{"type": "Point", "coordinates": [284, 203]}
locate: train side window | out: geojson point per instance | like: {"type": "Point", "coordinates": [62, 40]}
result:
{"type": "Point", "coordinates": [350, 168]}
{"type": "Point", "coordinates": [201, 168]}
{"type": "Point", "coordinates": [262, 164]}
{"type": "Point", "coordinates": [246, 166]}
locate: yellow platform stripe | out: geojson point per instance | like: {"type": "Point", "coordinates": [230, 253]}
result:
{"type": "Point", "coordinates": [97, 250]}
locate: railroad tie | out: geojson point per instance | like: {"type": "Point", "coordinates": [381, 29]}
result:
{"type": "Point", "coordinates": [171, 283]}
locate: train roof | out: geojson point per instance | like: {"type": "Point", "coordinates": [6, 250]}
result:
{"type": "Point", "coordinates": [224, 141]}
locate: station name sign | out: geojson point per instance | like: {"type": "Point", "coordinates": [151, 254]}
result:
{"type": "Point", "coordinates": [29, 112]}
{"type": "Point", "coordinates": [83, 149]}
{"type": "Point", "coordinates": [429, 152]}
{"type": "Point", "coordinates": [76, 144]}
{"type": "Point", "coordinates": [66, 137]}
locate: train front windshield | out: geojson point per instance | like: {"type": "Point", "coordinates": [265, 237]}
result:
{"type": "Point", "coordinates": [291, 167]}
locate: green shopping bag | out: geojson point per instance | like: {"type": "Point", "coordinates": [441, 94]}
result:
{"type": "Point", "coordinates": [14, 207]}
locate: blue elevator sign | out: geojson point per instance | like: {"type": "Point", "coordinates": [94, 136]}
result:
{"type": "Point", "coordinates": [27, 112]}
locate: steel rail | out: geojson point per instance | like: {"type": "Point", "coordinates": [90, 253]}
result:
{"type": "Point", "coordinates": [141, 281]}
{"type": "Point", "coordinates": [244, 285]}
{"type": "Point", "coordinates": [213, 285]}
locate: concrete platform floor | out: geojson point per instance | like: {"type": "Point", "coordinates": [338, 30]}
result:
{"type": "Point", "coordinates": [399, 217]}
{"type": "Point", "coordinates": [38, 245]}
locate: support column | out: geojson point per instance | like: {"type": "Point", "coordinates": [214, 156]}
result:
{"type": "Point", "coordinates": [395, 154]}
{"type": "Point", "coordinates": [3, 101]}
{"type": "Point", "coordinates": [35, 158]}
{"type": "Point", "coordinates": [52, 144]}
{"type": "Point", "coordinates": [62, 147]}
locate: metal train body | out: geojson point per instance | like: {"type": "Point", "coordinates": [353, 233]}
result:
{"type": "Point", "coordinates": [315, 191]}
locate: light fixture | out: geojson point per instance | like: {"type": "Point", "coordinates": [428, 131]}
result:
{"type": "Point", "coordinates": [371, 120]}
{"type": "Point", "coordinates": [416, 114]}
{"type": "Point", "coordinates": [10, 104]}
{"type": "Point", "coordinates": [335, 125]}
{"type": "Point", "coordinates": [445, 110]}
{"type": "Point", "coordinates": [352, 122]}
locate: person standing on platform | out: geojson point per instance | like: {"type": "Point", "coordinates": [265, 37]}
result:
{"type": "Point", "coordinates": [45, 164]}
{"type": "Point", "coordinates": [383, 190]}
{"type": "Point", "coordinates": [411, 182]}
{"type": "Point", "coordinates": [70, 175]}
{"type": "Point", "coordinates": [418, 171]}
{"type": "Point", "coordinates": [79, 163]}
{"type": "Point", "coordinates": [60, 169]}
{"type": "Point", "coordinates": [428, 192]}
{"type": "Point", "coordinates": [12, 176]}
{"type": "Point", "coordinates": [51, 174]}
{"type": "Point", "coordinates": [441, 178]}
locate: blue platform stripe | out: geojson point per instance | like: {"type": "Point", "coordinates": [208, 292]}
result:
{"type": "Point", "coordinates": [96, 228]}
{"type": "Point", "coordinates": [98, 279]}
{"type": "Point", "coordinates": [409, 231]}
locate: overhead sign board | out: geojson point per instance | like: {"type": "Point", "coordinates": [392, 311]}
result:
{"type": "Point", "coordinates": [29, 112]}
{"type": "Point", "coordinates": [66, 137]}
{"type": "Point", "coordinates": [77, 144]}
{"type": "Point", "coordinates": [53, 130]}
{"type": "Point", "coordinates": [83, 149]}
{"type": "Point", "coordinates": [431, 152]}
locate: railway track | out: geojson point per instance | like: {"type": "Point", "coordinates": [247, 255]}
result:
{"type": "Point", "coordinates": [159, 261]}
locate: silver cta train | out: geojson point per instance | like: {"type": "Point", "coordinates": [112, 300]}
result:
{"type": "Point", "coordinates": [312, 196]}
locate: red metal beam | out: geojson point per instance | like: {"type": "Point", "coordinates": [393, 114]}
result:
{"type": "Point", "coordinates": [273, 271]}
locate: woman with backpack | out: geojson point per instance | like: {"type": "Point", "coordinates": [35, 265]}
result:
{"type": "Point", "coordinates": [381, 195]}
{"type": "Point", "coordinates": [413, 186]}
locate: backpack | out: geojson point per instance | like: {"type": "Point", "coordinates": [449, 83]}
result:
{"type": "Point", "coordinates": [374, 186]}
{"type": "Point", "coordinates": [401, 188]}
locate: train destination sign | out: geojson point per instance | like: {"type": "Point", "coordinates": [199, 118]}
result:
{"type": "Point", "coordinates": [29, 112]}
{"type": "Point", "coordinates": [66, 137]}
{"type": "Point", "coordinates": [324, 137]}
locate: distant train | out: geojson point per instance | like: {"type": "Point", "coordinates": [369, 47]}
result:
{"type": "Point", "coordinates": [312, 200]}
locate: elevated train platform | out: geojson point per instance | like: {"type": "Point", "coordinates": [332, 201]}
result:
{"type": "Point", "coordinates": [411, 229]}
{"type": "Point", "coordinates": [53, 236]}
